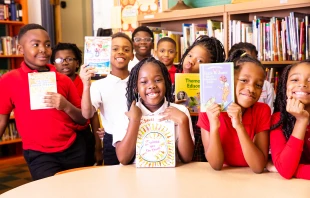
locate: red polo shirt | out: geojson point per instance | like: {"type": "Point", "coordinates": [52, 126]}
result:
{"type": "Point", "coordinates": [46, 130]}
{"type": "Point", "coordinates": [255, 119]}
{"type": "Point", "coordinates": [79, 85]}
{"type": "Point", "coordinates": [172, 72]}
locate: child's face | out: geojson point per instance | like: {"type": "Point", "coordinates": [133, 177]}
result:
{"type": "Point", "coordinates": [121, 53]}
{"type": "Point", "coordinates": [35, 45]}
{"type": "Point", "coordinates": [298, 83]}
{"type": "Point", "coordinates": [249, 81]}
{"type": "Point", "coordinates": [166, 52]}
{"type": "Point", "coordinates": [69, 64]}
{"type": "Point", "coordinates": [194, 57]}
{"type": "Point", "coordinates": [143, 48]}
{"type": "Point", "coordinates": [151, 86]}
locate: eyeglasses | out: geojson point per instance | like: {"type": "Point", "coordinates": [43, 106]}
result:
{"type": "Point", "coordinates": [61, 60]}
{"type": "Point", "coordinates": [138, 39]}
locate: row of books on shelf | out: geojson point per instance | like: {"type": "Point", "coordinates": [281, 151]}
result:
{"type": "Point", "coordinates": [276, 38]}
{"type": "Point", "coordinates": [8, 45]}
{"type": "Point", "coordinates": [10, 132]}
{"type": "Point", "coordinates": [9, 10]}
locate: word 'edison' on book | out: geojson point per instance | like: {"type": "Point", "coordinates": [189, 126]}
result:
{"type": "Point", "coordinates": [216, 85]}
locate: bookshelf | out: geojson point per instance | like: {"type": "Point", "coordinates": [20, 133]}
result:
{"type": "Point", "coordinates": [12, 148]}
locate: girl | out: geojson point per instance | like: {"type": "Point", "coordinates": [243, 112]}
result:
{"type": "Point", "coordinates": [289, 137]}
{"type": "Point", "coordinates": [239, 137]}
{"type": "Point", "coordinates": [150, 84]}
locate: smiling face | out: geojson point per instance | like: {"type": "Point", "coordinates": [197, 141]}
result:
{"type": "Point", "coordinates": [151, 86]}
{"type": "Point", "coordinates": [35, 45]}
{"type": "Point", "coordinates": [121, 53]}
{"type": "Point", "coordinates": [143, 49]}
{"type": "Point", "coordinates": [166, 52]}
{"type": "Point", "coordinates": [66, 67]}
{"type": "Point", "coordinates": [298, 83]}
{"type": "Point", "coordinates": [195, 56]}
{"type": "Point", "coordinates": [249, 81]}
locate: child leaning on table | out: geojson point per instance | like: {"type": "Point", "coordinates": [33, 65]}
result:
{"type": "Point", "coordinates": [108, 94]}
{"type": "Point", "coordinates": [239, 137]}
{"type": "Point", "coordinates": [290, 134]}
{"type": "Point", "coordinates": [149, 83]}
{"type": "Point", "coordinates": [49, 136]}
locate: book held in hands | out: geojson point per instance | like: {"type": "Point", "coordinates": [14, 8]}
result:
{"type": "Point", "coordinates": [216, 85]}
{"type": "Point", "coordinates": [97, 53]}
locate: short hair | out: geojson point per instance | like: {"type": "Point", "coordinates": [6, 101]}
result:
{"type": "Point", "coordinates": [123, 35]}
{"type": "Point", "coordinates": [31, 26]}
{"type": "Point", "coordinates": [143, 29]}
{"type": "Point", "coordinates": [67, 46]}
{"type": "Point", "coordinates": [167, 39]}
{"type": "Point", "coordinates": [243, 46]}
{"type": "Point", "coordinates": [132, 84]}
{"type": "Point", "coordinates": [211, 44]}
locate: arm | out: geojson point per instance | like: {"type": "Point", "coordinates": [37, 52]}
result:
{"type": "Point", "coordinates": [95, 125]}
{"type": "Point", "coordinates": [4, 119]}
{"type": "Point", "coordinates": [125, 149]}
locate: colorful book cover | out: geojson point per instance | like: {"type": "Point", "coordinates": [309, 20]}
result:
{"type": "Point", "coordinates": [39, 84]}
{"type": "Point", "coordinates": [155, 145]}
{"type": "Point", "coordinates": [187, 91]}
{"type": "Point", "coordinates": [217, 85]}
{"type": "Point", "coordinates": [97, 53]}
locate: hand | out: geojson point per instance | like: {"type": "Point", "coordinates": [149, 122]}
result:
{"type": "Point", "coordinates": [235, 113]}
{"type": "Point", "coordinates": [174, 114]}
{"type": "Point", "coordinates": [134, 113]}
{"type": "Point", "coordinates": [98, 157]}
{"type": "Point", "coordinates": [213, 113]}
{"type": "Point", "coordinates": [296, 108]}
{"type": "Point", "coordinates": [55, 100]}
{"type": "Point", "coordinates": [86, 72]}
{"type": "Point", "coordinates": [100, 133]}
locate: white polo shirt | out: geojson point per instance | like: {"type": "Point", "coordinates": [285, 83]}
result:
{"type": "Point", "coordinates": [124, 121]}
{"type": "Point", "coordinates": [108, 95]}
{"type": "Point", "coordinates": [268, 95]}
{"type": "Point", "coordinates": [133, 63]}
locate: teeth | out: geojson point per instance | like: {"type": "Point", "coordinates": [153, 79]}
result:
{"type": "Point", "coordinates": [120, 59]}
{"type": "Point", "coordinates": [153, 95]}
{"type": "Point", "coordinates": [301, 93]}
{"type": "Point", "coordinates": [65, 70]}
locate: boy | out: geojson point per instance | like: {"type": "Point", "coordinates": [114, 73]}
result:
{"type": "Point", "coordinates": [50, 142]}
{"type": "Point", "coordinates": [108, 94]}
{"type": "Point", "coordinates": [166, 52]}
{"type": "Point", "coordinates": [67, 58]}
{"type": "Point", "coordinates": [143, 43]}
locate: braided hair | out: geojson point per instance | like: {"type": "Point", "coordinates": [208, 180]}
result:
{"type": "Point", "coordinates": [211, 44]}
{"type": "Point", "coordinates": [244, 46]}
{"type": "Point", "coordinates": [132, 87]}
{"type": "Point", "coordinates": [286, 119]}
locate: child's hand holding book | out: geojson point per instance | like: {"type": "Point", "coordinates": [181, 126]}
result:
{"type": "Point", "coordinates": [86, 72]}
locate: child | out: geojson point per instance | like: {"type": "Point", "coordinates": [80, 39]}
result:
{"type": "Point", "coordinates": [166, 52]}
{"type": "Point", "coordinates": [50, 143]}
{"type": "Point", "coordinates": [205, 49]}
{"type": "Point", "coordinates": [239, 137]}
{"type": "Point", "coordinates": [108, 94]}
{"type": "Point", "coordinates": [268, 94]}
{"type": "Point", "coordinates": [289, 136]}
{"type": "Point", "coordinates": [67, 58]}
{"type": "Point", "coordinates": [150, 84]}
{"type": "Point", "coordinates": [143, 43]}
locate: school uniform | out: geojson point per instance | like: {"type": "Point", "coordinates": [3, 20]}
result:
{"type": "Point", "coordinates": [268, 95]}
{"type": "Point", "coordinates": [133, 63]}
{"type": "Point", "coordinates": [109, 96]}
{"type": "Point", "coordinates": [172, 72]}
{"type": "Point", "coordinates": [255, 120]}
{"type": "Point", "coordinates": [49, 137]}
{"type": "Point", "coordinates": [291, 157]}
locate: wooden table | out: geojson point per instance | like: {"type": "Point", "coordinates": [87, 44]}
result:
{"type": "Point", "coordinates": [191, 180]}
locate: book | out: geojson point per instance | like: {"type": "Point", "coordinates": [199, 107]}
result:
{"type": "Point", "coordinates": [187, 91]}
{"type": "Point", "coordinates": [39, 84]}
{"type": "Point", "coordinates": [216, 85]}
{"type": "Point", "coordinates": [97, 53]}
{"type": "Point", "coordinates": [155, 145]}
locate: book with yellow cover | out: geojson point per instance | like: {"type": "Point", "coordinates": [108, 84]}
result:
{"type": "Point", "coordinates": [155, 145]}
{"type": "Point", "coordinates": [187, 91]}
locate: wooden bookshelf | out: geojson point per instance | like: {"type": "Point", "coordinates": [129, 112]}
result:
{"type": "Point", "coordinates": [10, 141]}
{"type": "Point", "coordinates": [12, 22]}
{"type": "Point", "coordinates": [12, 56]}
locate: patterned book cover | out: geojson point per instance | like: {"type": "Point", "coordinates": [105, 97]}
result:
{"type": "Point", "coordinates": [155, 143]}
{"type": "Point", "coordinates": [217, 85]}
{"type": "Point", "coordinates": [187, 91]}
{"type": "Point", "coordinates": [97, 53]}
{"type": "Point", "coordinates": [39, 84]}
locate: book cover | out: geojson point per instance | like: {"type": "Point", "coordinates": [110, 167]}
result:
{"type": "Point", "coordinates": [155, 145]}
{"type": "Point", "coordinates": [187, 91]}
{"type": "Point", "coordinates": [217, 85]}
{"type": "Point", "coordinates": [39, 84]}
{"type": "Point", "coordinates": [97, 53]}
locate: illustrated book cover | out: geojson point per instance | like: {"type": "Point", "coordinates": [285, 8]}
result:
{"type": "Point", "coordinates": [217, 84]}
